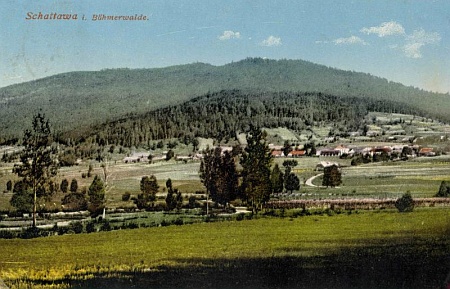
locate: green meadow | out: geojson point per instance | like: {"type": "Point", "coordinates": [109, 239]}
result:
{"type": "Point", "coordinates": [369, 249]}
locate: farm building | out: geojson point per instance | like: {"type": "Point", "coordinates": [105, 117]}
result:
{"type": "Point", "coordinates": [277, 153]}
{"type": "Point", "coordinates": [327, 152]}
{"type": "Point", "coordinates": [275, 147]}
{"type": "Point", "coordinates": [343, 150]}
{"type": "Point", "coordinates": [398, 148]}
{"type": "Point", "coordinates": [380, 150]}
{"type": "Point", "coordinates": [322, 165]}
{"type": "Point", "coordinates": [136, 158]}
{"type": "Point", "coordinates": [297, 153]}
{"type": "Point", "coordinates": [226, 149]}
{"type": "Point", "coordinates": [426, 152]}
{"type": "Point", "coordinates": [184, 158]}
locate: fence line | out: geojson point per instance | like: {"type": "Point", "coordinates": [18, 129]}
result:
{"type": "Point", "coordinates": [349, 204]}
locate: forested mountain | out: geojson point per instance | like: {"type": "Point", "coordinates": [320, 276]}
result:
{"type": "Point", "coordinates": [80, 99]}
{"type": "Point", "coordinates": [220, 115]}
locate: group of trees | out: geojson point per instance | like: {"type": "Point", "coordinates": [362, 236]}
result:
{"type": "Point", "coordinates": [331, 176]}
{"type": "Point", "coordinates": [149, 188]}
{"type": "Point", "coordinates": [219, 175]}
{"type": "Point", "coordinates": [258, 177]}
{"type": "Point", "coordinates": [287, 180]}
{"type": "Point", "coordinates": [174, 199]}
{"type": "Point", "coordinates": [37, 170]}
{"type": "Point", "coordinates": [255, 181]}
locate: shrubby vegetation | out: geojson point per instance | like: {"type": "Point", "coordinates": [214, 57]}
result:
{"type": "Point", "coordinates": [405, 203]}
{"type": "Point", "coordinates": [444, 190]}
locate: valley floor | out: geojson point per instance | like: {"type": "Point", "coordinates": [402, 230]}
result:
{"type": "Point", "coordinates": [371, 249]}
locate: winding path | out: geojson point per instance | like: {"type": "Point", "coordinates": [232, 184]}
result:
{"type": "Point", "coordinates": [311, 179]}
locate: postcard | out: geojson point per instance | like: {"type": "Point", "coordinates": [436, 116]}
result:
{"type": "Point", "coordinates": [224, 144]}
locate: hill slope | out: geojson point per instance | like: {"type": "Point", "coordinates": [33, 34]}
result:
{"type": "Point", "coordinates": [220, 115]}
{"type": "Point", "coordinates": [78, 99]}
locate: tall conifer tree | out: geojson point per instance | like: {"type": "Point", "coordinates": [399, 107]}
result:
{"type": "Point", "coordinates": [38, 162]}
{"type": "Point", "coordinates": [256, 162]}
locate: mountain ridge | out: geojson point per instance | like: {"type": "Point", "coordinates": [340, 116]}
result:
{"type": "Point", "coordinates": [84, 98]}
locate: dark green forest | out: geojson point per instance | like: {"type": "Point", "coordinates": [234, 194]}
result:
{"type": "Point", "coordinates": [220, 115]}
{"type": "Point", "coordinates": [78, 100]}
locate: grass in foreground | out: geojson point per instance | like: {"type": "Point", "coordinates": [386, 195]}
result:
{"type": "Point", "coordinates": [367, 250]}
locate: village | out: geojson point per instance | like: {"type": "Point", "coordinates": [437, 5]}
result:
{"type": "Point", "coordinates": [396, 152]}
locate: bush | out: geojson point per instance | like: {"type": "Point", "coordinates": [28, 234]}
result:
{"type": "Point", "coordinates": [76, 227]}
{"type": "Point", "coordinates": [329, 212]}
{"type": "Point", "coordinates": [30, 233]}
{"type": "Point", "coordinates": [126, 196]}
{"type": "Point", "coordinates": [132, 225]}
{"type": "Point", "coordinates": [67, 160]}
{"type": "Point", "coordinates": [178, 222]}
{"type": "Point", "coordinates": [240, 217]}
{"type": "Point", "coordinates": [192, 202]}
{"type": "Point", "coordinates": [106, 226]}
{"type": "Point", "coordinates": [63, 230]}
{"type": "Point", "coordinates": [444, 190]}
{"type": "Point", "coordinates": [405, 203]}
{"type": "Point", "coordinates": [55, 229]}
{"type": "Point", "coordinates": [165, 223]}
{"type": "Point", "coordinates": [90, 227]}
{"type": "Point", "coordinates": [5, 234]}
{"type": "Point", "coordinates": [75, 202]}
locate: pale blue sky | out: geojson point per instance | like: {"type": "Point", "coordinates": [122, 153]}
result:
{"type": "Point", "coordinates": [404, 41]}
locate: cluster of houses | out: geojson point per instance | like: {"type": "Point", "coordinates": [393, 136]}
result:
{"type": "Point", "coordinates": [278, 152]}
{"type": "Point", "coordinates": [342, 150]}
{"type": "Point", "coordinates": [144, 157]}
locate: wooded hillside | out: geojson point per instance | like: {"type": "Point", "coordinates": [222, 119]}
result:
{"type": "Point", "coordinates": [80, 99]}
{"type": "Point", "coordinates": [220, 115]}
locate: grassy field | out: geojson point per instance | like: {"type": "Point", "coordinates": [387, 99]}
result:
{"type": "Point", "coordinates": [123, 178]}
{"type": "Point", "coordinates": [366, 250]}
{"type": "Point", "coordinates": [421, 176]}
